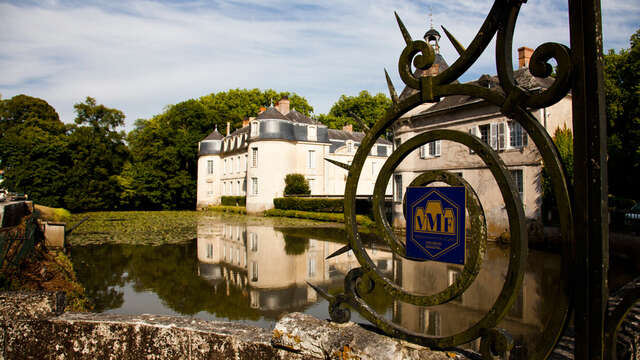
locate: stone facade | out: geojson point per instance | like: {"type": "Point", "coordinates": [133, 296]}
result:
{"type": "Point", "coordinates": [254, 160]}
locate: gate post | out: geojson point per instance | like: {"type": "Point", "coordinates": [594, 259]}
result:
{"type": "Point", "coordinates": [591, 241]}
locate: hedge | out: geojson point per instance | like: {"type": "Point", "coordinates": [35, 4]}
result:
{"type": "Point", "coordinates": [322, 216]}
{"type": "Point", "coordinates": [324, 205]}
{"type": "Point", "coordinates": [234, 200]}
{"type": "Point", "coordinates": [228, 209]}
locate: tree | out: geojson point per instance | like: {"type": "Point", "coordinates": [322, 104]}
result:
{"type": "Point", "coordinates": [235, 104]}
{"type": "Point", "coordinates": [622, 91]}
{"type": "Point", "coordinates": [163, 169]}
{"type": "Point", "coordinates": [563, 139]}
{"type": "Point", "coordinates": [296, 184]}
{"type": "Point", "coordinates": [33, 149]}
{"type": "Point", "coordinates": [162, 173]}
{"type": "Point", "coordinates": [366, 107]}
{"type": "Point", "coordinates": [98, 154]}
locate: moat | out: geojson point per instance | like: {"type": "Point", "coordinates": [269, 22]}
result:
{"type": "Point", "coordinates": [254, 270]}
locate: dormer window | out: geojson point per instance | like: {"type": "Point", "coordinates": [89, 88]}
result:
{"type": "Point", "coordinates": [255, 128]}
{"type": "Point", "coordinates": [349, 146]}
{"type": "Point", "coordinates": [312, 133]}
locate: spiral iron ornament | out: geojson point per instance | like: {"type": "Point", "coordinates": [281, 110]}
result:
{"type": "Point", "coordinates": [514, 102]}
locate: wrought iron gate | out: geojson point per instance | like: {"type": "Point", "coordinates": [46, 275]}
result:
{"type": "Point", "coordinates": [583, 216]}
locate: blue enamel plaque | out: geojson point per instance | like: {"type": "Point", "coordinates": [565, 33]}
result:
{"type": "Point", "coordinates": [436, 223]}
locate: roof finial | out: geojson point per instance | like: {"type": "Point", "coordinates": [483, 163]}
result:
{"type": "Point", "coordinates": [430, 17]}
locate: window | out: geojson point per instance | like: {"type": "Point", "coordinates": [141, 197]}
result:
{"type": "Point", "coordinates": [254, 186]}
{"type": "Point", "coordinates": [312, 159]}
{"type": "Point", "coordinates": [224, 168]}
{"type": "Point", "coordinates": [454, 274]}
{"type": "Point", "coordinates": [311, 184]}
{"type": "Point", "coordinates": [255, 129]}
{"type": "Point", "coordinates": [312, 267]}
{"type": "Point", "coordinates": [209, 167]}
{"type": "Point", "coordinates": [210, 189]}
{"type": "Point", "coordinates": [239, 188]}
{"type": "Point", "coordinates": [397, 196]}
{"type": "Point", "coordinates": [244, 164]}
{"type": "Point", "coordinates": [209, 251]}
{"type": "Point", "coordinates": [253, 241]}
{"type": "Point", "coordinates": [518, 180]}
{"type": "Point", "coordinates": [484, 132]}
{"type": "Point", "coordinates": [349, 147]}
{"type": "Point", "coordinates": [254, 271]}
{"type": "Point", "coordinates": [244, 186]}
{"type": "Point", "coordinates": [517, 135]}
{"type": "Point", "coordinates": [254, 157]}
{"type": "Point", "coordinates": [312, 133]}
{"type": "Point", "coordinates": [431, 149]}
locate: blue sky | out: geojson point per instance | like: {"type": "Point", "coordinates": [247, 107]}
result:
{"type": "Point", "coordinates": [140, 56]}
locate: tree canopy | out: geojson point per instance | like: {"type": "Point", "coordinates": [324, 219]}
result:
{"type": "Point", "coordinates": [365, 106]}
{"type": "Point", "coordinates": [622, 89]}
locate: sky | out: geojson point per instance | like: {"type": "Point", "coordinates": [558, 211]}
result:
{"type": "Point", "coordinates": [140, 56]}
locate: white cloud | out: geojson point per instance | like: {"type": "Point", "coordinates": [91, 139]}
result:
{"type": "Point", "coordinates": [140, 56]}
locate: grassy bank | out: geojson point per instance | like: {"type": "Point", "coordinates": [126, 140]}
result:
{"type": "Point", "coordinates": [228, 209]}
{"type": "Point", "coordinates": [321, 216]}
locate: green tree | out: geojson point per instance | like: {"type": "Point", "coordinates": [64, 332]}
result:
{"type": "Point", "coordinates": [622, 90]}
{"type": "Point", "coordinates": [235, 104]}
{"type": "Point", "coordinates": [296, 184]}
{"type": "Point", "coordinates": [365, 106]}
{"type": "Point", "coordinates": [98, 154]}
{"type": "Point", "coordinates": [33, 149]}
{"type": "Point", "coordinates": [163, 169]}
{"type": "Point", "coordinates": [162, 173]}
{"type": "Point", "coordinates": [563, 139]}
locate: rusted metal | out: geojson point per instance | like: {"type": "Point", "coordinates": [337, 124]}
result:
{"type": "Point", "coordinates": [584, 273]}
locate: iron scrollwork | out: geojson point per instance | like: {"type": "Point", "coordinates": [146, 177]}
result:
{"type": "Point", "coordinates": [516, 103]}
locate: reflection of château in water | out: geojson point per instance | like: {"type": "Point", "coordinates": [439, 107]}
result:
{"type": "Point", "coordinates": [271, 266]}
{"type": "Point", "coordinates": [525, 319]}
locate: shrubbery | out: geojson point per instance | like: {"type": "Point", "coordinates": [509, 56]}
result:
{"type": "Point", "coordinates": [233, 200]}
{"type": "Point", "coordinates": [360, 219]}
{"type": "Point", "coordinates": [296, 184]}
{"type": "Point", "coordinates": [363, 206]}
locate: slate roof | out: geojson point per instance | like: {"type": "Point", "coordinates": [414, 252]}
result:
{"type": "Point", "coordinates": [215, 135]}
{"type": "Point", "coordinates": [239, 131]}
{"type": "Point", "coordinates": [299, 117]}
{"type": "Point", "coordinates": [271, 113]}
{"type": "Point", "coordinates": [355, 136]}
{"type": "Point", "coordinates": [522, 76]}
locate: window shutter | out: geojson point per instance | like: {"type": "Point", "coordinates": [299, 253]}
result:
{"type": "Point", "coordinates": [437, 145]}
{"type": "Point", "coordinates": [501, 136]}
{"type": "Point", "coordinates": [423, 151]}
{"type": "Point", "coordinates": [493, 136]}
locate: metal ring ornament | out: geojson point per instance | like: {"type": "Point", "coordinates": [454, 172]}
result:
{"type": "Point", "coordinates": [477, 248]}
{"type": "Point", "coordinates": [519, 246]}
{"type": "Point", "coordinates": [513, 102]}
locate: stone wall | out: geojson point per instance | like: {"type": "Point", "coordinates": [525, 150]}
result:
{"type": "Point", "coordinates": [34, 326]}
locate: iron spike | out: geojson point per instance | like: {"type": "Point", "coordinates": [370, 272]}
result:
{"type": "Point", "coordinates": [364, 126]}
{"type": "Point", "coordinates": [320, 292]}
{"type": "Point", "coordinates": [342, 165]}
{"type": "Point", "coordinates": [456, 44]}
{"type": "Point", "coordinates": [405, 33]}
{"type": "Point", "coordinates": [392, 89]}
{"type": "Point", "coordinates": [340, 251]}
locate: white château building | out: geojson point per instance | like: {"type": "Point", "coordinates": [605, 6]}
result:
{"type": "Point", "coordinates": [254, 160]}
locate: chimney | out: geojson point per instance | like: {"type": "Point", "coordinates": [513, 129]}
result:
{"type": "Point", "coordinates": [262, 109]}
{"type": "Point", "coordinates": [228, 128]}
{"type": "Point", "coordinates": [524, 55]}
{"type": "Point", "coordinates": [283, 105]}
{"type": "Point", "coordinates": [245, 121]}
{"type": "Point", "coordinates": [348, 128]}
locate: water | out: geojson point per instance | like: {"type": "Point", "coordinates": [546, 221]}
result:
{"type": "Point", "coordinates": [255, 271]}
